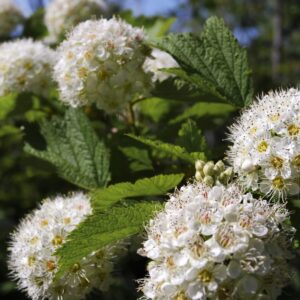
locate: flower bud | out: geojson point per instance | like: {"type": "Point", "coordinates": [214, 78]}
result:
{"type": "Point", "coordinates": [219, 167]}
{"type": "Point", "coordinates": [199, 164]}
{"type": "Point", "coordinates": [208, 180]}
{"type": "Point", "coordinates": [247, 165]}
{"type": "Point", "coordinates": [199, 175]}
{"type": "Point", "coordinates": [208, 169]}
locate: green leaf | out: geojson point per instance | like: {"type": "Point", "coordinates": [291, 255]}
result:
{"type": "Point", "coordinates": [154, 26]}
{"type": "Point", "coordinates": [139, 158]}
{"type": "Point", "coordinates": [213, 60]}
{"type": "Point", "coordinates": [153, 186]}
{"type": "Point", "coordinates": [170, 149]}
{"type": "Point", "coordinates": [202, 109]}
{"type": "Point", "coordinates": [75, 149]}
{"type": "Point", "coordinates": [155, 108]}
{"type": "Point", "coordinates": [191, 137]}
{"type": "Point", "coordinates": [7, 105]}
{"type": "Point", "coordinates": [6, 130]}
{"type": "Point", "coordinates": [102, 229]}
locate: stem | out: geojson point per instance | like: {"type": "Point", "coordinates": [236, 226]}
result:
{"type": "Point", "coordinates": [131, 118]}
{"type": "Point", "coordinates": [137, 101]}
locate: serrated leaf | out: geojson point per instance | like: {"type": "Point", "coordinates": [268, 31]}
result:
{"type": "Point", "coordinates": [202, 109]}
{"type": "Point", "coordinates": [102, 229]}
{"type": "Point", "coordinates": [75, 150]}
{"type": "Point", "coordinates": [153, 186]}
{"type": "Point", "coordinates": [191, 137]}
{"type": "Point", "coordinates": [173, 150]}
{"type": "Point", "coordinates": [139, 158]}
{"type": "Point", "coordinates": [215, 58]}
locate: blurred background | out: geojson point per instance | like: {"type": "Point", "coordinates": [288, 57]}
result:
{"type": "Point", "coordinates": [270, 30]}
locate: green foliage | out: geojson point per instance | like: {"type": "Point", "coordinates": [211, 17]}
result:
{"type": "Point", "coordinates": [170, 149]}
{"type": "Point", "coordinates": [155, 108]}
{"type": "Point", "coordinates": [202, 109]}
{"type": "Point", "coordinates": [139, 158]}
{"type": "Point", "coordinates": [191, 137]}
{"type": "Point", "coordinates": [7, 104]}
{"type": "Point", "coordinates": [102, 229]}
{"type": "Point", "coordinates": [212, 62]}
{"type": "Point", "coordinates": [34, 26]}
{"type": "Point", "coordinates": [154, 26]}
{"type": "Point", "coordinates": [75, 150]}
{"type": "Point", "coordinates": [154, 186]}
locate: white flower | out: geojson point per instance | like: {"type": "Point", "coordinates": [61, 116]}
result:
{"type": "Point", "coordinates": [159, 60]}
{"type": "Point", "coordinates": [266, 144]}
{"type": "Point", "coordinates": [101, 62]}
{"type": "Point", "coordinates": [32, 261]}
{"type": "Point", "coordinates": [62, 15]}
{"type": "Point", "coordinates": [215, 243]}
{"type": "Point", "coordinates": [10, 17]}
{"type": "Point", "coordinates": [26, 66]}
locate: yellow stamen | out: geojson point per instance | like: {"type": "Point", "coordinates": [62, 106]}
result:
{"type": "Point", "coordinates": [263, 146]}
{"type": "Point", "coordinates": [278, 183]}
{"type": "Point", "coordinates": [57, 240]}
{"type": "Point", "coordinates": [205, 276]}
{"type": "Point", "coordinates": [293, 129]}
{"type": "Point", "coordinates": [277, 162]}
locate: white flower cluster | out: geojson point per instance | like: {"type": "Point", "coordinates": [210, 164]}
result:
{"type": "Point", "coordinates": [26, 66]}
{"type": "Point", "coordinates": [217, 243]}
{"type": "Point", "coordinates": [62, 15]}
{"type": "Point", "coordinates": [266, 144]}
{"type": "Point", "coordinates": [32, 261]}
{"type": "Point", "coordinates": [10, 17]}
{"type": "Point", "coordinates": [102, 62]}
{"type": "Point", "coordinates": [159, 60]}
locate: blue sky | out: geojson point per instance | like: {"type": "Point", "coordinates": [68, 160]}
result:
{"type": "Point", "coordinates": [146, 7]}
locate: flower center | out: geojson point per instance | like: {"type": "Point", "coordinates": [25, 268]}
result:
{"type": "Point", "coordinates": [262, 146]}
{"type": "Point", "coordinates": [253, 130]}
{"type": "Point", "coordinates": [293, 129]}
{"type": "Point", "coordinates": [57, 240]}
{"type": "Point", "coordinates": [205, 276]}
{"type": "Point", "coordinates": [75, 268]}
{"type": "Point", "coordinates": [170, 262]}
{"type": "Point", "coordinates": [277, 162]}
{"type": "Point", "coordinates": [278, 183]}
{"type": "Point", "coordinates": [44, 223]}
{"type": "Point", "coordinates": [296, 160]}
{"type": "Point", "coordinates": [31, 260]}
{"type": "Point", "coordinates": [50, 265]}
{"type": "Point", "coordinates": [225, 237]}
{"type": "Point", "coordinates": [205, 218]}
{"type": "Point", "coordinates": [180, 296]}
{"type": "Point", "coordinates": [67, 221]}
{"type": "Point", "coordinates": [34, 240]}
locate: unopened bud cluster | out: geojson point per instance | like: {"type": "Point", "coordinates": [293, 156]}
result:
{"type": "Point", "coordinates": [211, 173]}
{"type": "Point", "coordinates": [32, 261]}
